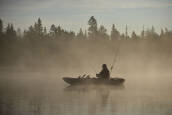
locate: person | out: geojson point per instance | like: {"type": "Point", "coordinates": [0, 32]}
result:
{"type": "Point", "coordinates": [104, 74]}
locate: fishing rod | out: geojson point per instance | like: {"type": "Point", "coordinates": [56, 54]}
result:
{"type": "Point", "coordinates": [114, 60]}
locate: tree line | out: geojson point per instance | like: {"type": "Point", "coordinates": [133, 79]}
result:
{"type": "Point", "coordinates": [94, 32]}
{"type": "Point", "coordinates": [39, 46]}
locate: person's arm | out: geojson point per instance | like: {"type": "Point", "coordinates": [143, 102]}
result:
{"type": "Point", "coordinates": [97, 75]}
{"type": "Point", "coordinates": [102, 72]}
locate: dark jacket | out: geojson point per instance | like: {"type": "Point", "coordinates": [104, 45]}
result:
{"type": "Point", "coordinates": [104, 74]}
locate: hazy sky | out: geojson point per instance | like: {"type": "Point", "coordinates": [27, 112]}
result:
{"type": "Point", "coordinates": [73, 14]}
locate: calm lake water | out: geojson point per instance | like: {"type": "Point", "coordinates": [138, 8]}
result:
{"type": "Point", "coordinates": [37, 93]}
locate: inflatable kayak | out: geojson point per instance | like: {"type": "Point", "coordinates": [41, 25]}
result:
{"type": "Point", "coordinates": [96, 81]}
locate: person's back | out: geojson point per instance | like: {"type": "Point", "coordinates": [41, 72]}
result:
{"type": "Point", "coordinates": [104, 73]}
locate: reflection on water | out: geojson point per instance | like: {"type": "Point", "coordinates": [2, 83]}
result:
{"type": "Point", "coordinates": [42, 96]}
{"type": "Point", "coordinates": [100, 93]}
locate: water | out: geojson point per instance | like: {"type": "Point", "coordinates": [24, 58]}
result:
{"type": "Point", "coordinates": [35, 93]}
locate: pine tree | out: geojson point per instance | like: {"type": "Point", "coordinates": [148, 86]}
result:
{"type": "Point", "coordinates": [151, 34]}
{"type": "Point", "coordinates": [10, 32]}
{"type": "Point", "coordinates": [162, 33]}
{"type": "Point", "coordinates": [85, 34]}
{"type": "Point", "coordinates": [1, 27]}
{"type": "Point", "coordinates": [53, 31]}
{"type": "Point", "coordinates": [80, 35]}
{"type": "Point", "coordinates": [19, 33]}
{"type": "Point", "coordinates": [39, 28]}
{"type": "Point", "coordinates": [114, 33]}
{"type": "Point", "coordinates": [134, 36]}
{"type": "Point", "coordinates": [143, 33]}
{"type": "Point", "coordinates": [45, 32]}
{"type": "Point", "coordinates": [92, 30]}
{"type": "Point", "coordinates": [102, 32]}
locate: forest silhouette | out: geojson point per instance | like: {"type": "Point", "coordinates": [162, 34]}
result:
{"type": "Point", "coordinates": [37, 45]}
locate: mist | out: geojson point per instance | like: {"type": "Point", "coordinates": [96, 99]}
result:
{"type": "Point", "coordinates": [34, 62]}
{"type": "Point", "coordinates": [34, 85]}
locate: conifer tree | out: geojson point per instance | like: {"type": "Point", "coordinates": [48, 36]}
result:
{"type": "Point", "coordinates": [92, 30]}
{"type": "Point", "coordinates": [114, 33]}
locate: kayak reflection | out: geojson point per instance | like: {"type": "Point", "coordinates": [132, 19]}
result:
{"type": "Point", "coordinates": [93, 94]}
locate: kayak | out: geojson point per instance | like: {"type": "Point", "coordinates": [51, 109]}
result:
{"type": "Point", "coordinates": [96, 81]}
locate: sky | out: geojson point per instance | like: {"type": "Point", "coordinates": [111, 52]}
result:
{"type": "Point", "coordinates": [74, 14]}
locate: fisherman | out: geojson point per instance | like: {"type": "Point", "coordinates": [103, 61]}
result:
{"type": "Point", "coordinates": [104, 74]}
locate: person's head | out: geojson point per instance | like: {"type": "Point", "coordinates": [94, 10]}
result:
{"type": "Point", "coordinates": [104, 66]}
